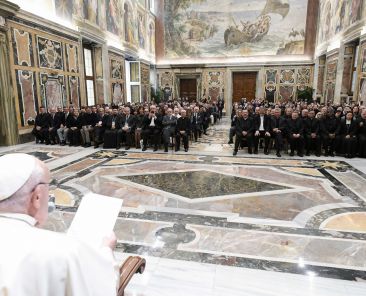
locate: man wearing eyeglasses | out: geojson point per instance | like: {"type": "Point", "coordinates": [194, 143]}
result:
{"type": "Point", "coordinates": [38, 262]}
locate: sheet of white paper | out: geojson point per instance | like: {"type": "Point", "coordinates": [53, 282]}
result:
{"type": "Point", "coordinates": [95, 218]}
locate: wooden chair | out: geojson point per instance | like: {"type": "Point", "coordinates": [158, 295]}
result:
{"type": "Point", "coordinates": [133, 264]}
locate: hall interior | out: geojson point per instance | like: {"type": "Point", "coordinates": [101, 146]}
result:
{"type": "Point", "coordinates": [206, 222]}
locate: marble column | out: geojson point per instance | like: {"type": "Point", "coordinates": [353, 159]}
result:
{"type": "Point", "coordinates": [8, 123]}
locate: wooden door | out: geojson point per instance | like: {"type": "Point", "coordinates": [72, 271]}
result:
{"type": "Point", "coordinates": [244, 85]}
{"type": "Point", "coordinates": [188, 88]}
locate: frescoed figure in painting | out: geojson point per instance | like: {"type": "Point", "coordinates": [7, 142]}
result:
{"type": "Point", "coordinates": [113, 16]}
{"type": "Point", "coordinates": [91, 10]}
{"type": "Point", "coordinates": [141, 30]}
{"type": "Point", "coordinates": [129, 25]}
{"type": "Point", "coordinates": [64, 8]}
{"type": "Point", "coordinates": [152, 38]}
{"type": "Point", "coordinates": [356, 11]}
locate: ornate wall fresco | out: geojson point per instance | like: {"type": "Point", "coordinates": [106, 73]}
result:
{"type": "Point", "coordinates": [114, 16]}
{"type": "Point", "coordinates": [45, 70]}
{"type": "Point", "coordinates": [321, 73]}
{"type": "Point", "coordinates": [281, 84]}
{"type": "Point", "coordinates": [213, 84]}
{"type": "Point", "coordinates": [338, 16]}
{"type": "Point", "coordinates": [151, 37]}
{"type": "Point", "coordinates": [117, 80]}
{"type": "Point", "coordinates": [210, 28]}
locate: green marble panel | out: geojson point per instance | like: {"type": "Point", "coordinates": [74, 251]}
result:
{"type": "Point", "coordinates": [199, 184]}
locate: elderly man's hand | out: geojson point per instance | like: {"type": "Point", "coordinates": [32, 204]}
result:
{"type": "Point", "coordinates": [110, 241]}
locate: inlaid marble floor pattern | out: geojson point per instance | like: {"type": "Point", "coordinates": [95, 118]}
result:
{"type": "Point", "coordinates": [211, 224]}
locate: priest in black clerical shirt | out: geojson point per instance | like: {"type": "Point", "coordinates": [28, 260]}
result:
{"type": "Point", "coordinates": [169, 123]}
{"type": "Point", "coordinates": [183, 130]}
{"type": "Point", "coordinates": [41, 126]}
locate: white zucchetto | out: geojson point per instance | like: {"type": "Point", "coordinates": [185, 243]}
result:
{"type": "Point", "coordinates": [15, 170]}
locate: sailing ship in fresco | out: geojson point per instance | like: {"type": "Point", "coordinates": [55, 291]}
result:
{"type": "Point", "coordinates": [254, 32]}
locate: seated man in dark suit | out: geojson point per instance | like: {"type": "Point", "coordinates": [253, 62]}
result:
{"type": "Point", "coordinates": [295, 131]}
{"type": "Point", "coordinates": [183, 130]}
{"type": "Point", "coordinates": [151, 126]}
{"type": "Point", "coordinates": [361, 124]}
{"type": "Point", "coordinates": [169, 123]}
{"type": "Point", "coordinates": [262, 124]}
{"type": "Point", "coordinates": [278, 130]}
{"type": "Point", "coordinates": [244, 130]}
{"type": "Point", "coordinates": [111, 129]}
{"type": "Point", "coordinates": [347, 135]}
{"type": "Point", "coordinates": [328, 127]}
{"type": "Point", "coordinates": [41, 126]}
{"type": "Point", "coordinates": [127, 122]}
{"type": "Point", "coordinates": [100, 127]}
{"type": "Point", "coordinates": [74, 123]}
{"type": "Point", "coordinates": [196, 123]}
{"type": "Point", "coordinates": [55, 119]}
{"type": "Point", "coordinates": [312, 134]}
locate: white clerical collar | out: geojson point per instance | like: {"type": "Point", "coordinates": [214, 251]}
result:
{"type": "Point", "coordinates": [19, 217]}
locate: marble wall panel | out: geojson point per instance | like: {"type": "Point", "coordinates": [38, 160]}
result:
{"type": "Point", "coordinates": [74, 91]}
{"type": "Point", "coordinates": [145, 82]}
{"type": "Point", "coordinates": [27, 98]}
{"type": "Point", "coordinates": [72, 58]}
{"type": "Point", "coordinates": [50, 53]}
{"type": "Point", "coordinates": [117, 78]}
{"type": "Point", "coordinates": [52, 90]}
{"type": "Point", "coordinates": [22, 44]}
{"type": "Point", "coordinates": [347, 75]}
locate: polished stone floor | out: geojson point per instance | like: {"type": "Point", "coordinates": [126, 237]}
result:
{"type": "Point", "coordinates": [212, 224]}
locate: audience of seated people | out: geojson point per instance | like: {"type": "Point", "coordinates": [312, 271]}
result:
{"type": "Point", "coordinates": [131, 124]}
{"type": "Point", "coordinates": [305, 128]}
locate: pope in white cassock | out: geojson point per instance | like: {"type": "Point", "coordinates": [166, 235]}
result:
{"type": "Point", "coordinates": [38, 262]}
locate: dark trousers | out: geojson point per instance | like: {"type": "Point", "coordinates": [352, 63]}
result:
{"type": "Point", "coordinates": [262, 134]}
{"type": "Point", "coordinates": [98, 134]}
{"type": "Point", "coordinates": [348, 146]}
{"type": "Point", "coordinates": [297, 144]}
{"type": "Point", "coordinates": [53, 135]}
{"type": "Point", "coordinates": [362, 146]}
{"type": "Point", "coordinates": [197, 131]}
{"type": "Point", "coordinates": [313, 144]}
{"type": "Point", "coordinates": [125, 136]}
{"type": "Point", "coordinates": [74, 137]}
{"type": "Point", "coordinates": [278, 141]}
{"type": "Point", "coordinates": [329, 144]}
{"type": "Point", "coordinates": [152, 132]}
{"type": "Point", "coordinates": [232, 133]}
{"type": "Point", "coordinates": [167, 134]}
{"type": "Point", "coordinates": [205, 125]}
{"type": "Point", "coordinates": [240, 137]}
{"type": "Point", "coordinates": [41, 135]}
{"type": "Point", "coordinates": [185, 140]}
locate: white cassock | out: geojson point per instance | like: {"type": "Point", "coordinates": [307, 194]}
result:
{"type": "Point", "coordinates": [39, 262]}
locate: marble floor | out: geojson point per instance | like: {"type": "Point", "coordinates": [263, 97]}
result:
{"type": "Point", "coordinates": [212, 224]}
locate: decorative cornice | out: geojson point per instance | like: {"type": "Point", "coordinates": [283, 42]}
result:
{"type": "Point", "coordinates": [8, 9]}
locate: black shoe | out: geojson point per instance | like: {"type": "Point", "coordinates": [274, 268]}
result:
{"type": "Point", "coordinates": [96, 146]}
{"type": "Point", "coordinates": [176, 149]}
{"type": "Point", "coordinates": [144, 148]}
{"type": "Point", "coordinates": [266, 152]}
{"type": "Point", "coordinates": [255, 151]}
{"type": "Point", "coordinates": [331, 154]}
{"type": "Point", "coordinates": [127, 148]}
{"type": "Point", "coordinates": [317, 155]}
{"type": "Point", "coordinates": [307, 153]}
{"type": "Point", "coordinates": [37, 141]}
{"type": "Point", "coordinates": [165, 149]}
{"type": "Point", "coordinates": [326, 154]}
{"type": "Point", "coordinates": [235, 153]}
{"type": "Point", "coordinates": [250, 151]}
{"type": "Point", "coordinates": [185, 149]}
{"type": "Point", "coordinates": [155, 149]}
{"type": "Point", "coordinates": [230, 142]}
{"type": "Point", "coordinates": [300, 155]}
{"type": "Point", "coordinates": [118, 147]}
{"type": "Point", "coordinates": [62, 143]}
{"type": "Point", "coordinates": [42, 142]}
{"type": "Point", "coordinates": [292, 153]}
{"type": "Point", "coordinates": [278, 154]}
